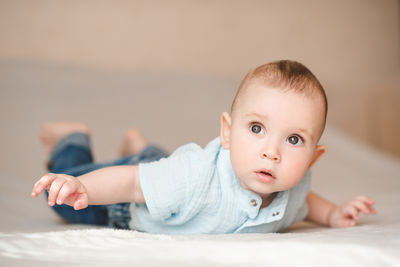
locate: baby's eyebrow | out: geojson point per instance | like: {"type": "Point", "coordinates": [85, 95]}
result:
{"type": "Point", "coordinates": [306, 133]}
{"type": "Point", "coordinates": [256, 115]}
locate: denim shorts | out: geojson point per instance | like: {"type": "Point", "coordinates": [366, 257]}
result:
{"type": "Point", "coordinates": [73, 156]}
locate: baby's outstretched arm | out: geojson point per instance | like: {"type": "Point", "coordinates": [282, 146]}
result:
{"type": "Point", "coordinates": [104, 186]}
{"type": "Point", "coordinates": [326, 213]}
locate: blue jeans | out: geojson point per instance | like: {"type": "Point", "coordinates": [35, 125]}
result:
{"type": "Point", "coordinates": [73, 156]}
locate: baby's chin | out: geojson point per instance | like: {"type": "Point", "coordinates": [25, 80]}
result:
{"type": "Point", "coordinates": [262, 191]}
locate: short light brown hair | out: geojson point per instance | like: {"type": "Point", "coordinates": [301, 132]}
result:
{"type": "Point", "coordinates": [286, 75]}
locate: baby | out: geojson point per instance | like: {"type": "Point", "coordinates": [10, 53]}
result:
{"type": "Point", "coordinates": [254, 178]}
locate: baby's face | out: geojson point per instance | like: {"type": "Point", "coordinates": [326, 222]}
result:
{"type": "Point", "coordinates": [272, 136]}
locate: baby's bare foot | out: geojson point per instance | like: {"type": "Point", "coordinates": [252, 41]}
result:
{"type": "Point", "coordinates": [51, 133]}
{"type": "Point", "coordinates": [133, 143]}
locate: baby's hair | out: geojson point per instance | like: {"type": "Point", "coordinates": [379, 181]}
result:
{"type": "Point", "coordinates": [286, 75]}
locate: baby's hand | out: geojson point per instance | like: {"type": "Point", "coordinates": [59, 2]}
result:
{"type": "Point", "coordinates": [348, 213]}
{"type": "Point", "coordinates": [62, 188]}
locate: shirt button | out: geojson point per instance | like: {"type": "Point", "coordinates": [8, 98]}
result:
{"type": "Point", "coordinates": [275, 213]}
{"type": "Point", "coordinates": [253, 202]}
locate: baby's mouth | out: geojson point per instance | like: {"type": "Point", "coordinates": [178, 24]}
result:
{"type": "Point", "coordinates": [265, 176]}
{"type": "Point", "coordinates": [266, 173]}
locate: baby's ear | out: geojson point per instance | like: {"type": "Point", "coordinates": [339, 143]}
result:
{"type": "Point", "coordinates": [319, 151]}
{"type": "Point", "coordinates": [225, 130]}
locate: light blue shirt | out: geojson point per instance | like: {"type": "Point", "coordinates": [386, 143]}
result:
{"type": "Point", "coordinates": [196, 191]}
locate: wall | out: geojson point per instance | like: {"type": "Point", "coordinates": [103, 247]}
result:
{"type": "Point", "coordinates": [352, 46]}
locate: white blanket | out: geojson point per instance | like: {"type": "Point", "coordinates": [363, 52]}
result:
{"type": "Point", "coordinates": [32, 236]}
{"type": "Point", "coordinates": [361, 246]}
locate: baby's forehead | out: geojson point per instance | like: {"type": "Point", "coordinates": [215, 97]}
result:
{"type": "Point", "coordinates": [256, 90]}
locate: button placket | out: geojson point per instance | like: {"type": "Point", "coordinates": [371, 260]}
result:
{"type": "Point", "coordinates": [253, 202]}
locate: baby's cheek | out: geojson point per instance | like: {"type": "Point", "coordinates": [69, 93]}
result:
{"type": "Point", "coordinates": [296, 171]}
{"type": "Point", "coordinates": [239, 160]}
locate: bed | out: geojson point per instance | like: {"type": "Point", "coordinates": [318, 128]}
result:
{"type": "Point", "coordinates": [31, 235]}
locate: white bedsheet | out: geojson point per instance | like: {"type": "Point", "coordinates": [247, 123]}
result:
{"type": "Point", "coordinates": [31, 235]}
{"type": "Point", "coordinates": [328, 247]}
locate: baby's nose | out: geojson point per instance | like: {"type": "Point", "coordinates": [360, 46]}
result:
{"type": "Point", "coordinates": [271, 155]}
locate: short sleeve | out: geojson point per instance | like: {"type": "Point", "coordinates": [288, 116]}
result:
{"type": "Point", "coordinates": [301, 213]}
{"type": "Point", "coordinates": [173, 187]}
{"type": "Point", "coordinates": [301, 192]}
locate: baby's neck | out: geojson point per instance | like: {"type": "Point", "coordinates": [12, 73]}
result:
{"type": "Point", "coordinates": [268, 199]}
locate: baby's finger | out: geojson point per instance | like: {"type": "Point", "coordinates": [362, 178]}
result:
{"type": "Point", "coordinates": [368, 203]}
{"type": "Point", "coordinates": [81, 201]}
{"type": "Point", "coordinates": [66, 190]}
{"type": "Point", "coordinates": [365, 199]}
{"type": "Point", "coordinates": [350, 211]}
{"type": "Point", "coordinates": [371, 209]}
{"type": "Point", "coordinates": [361, 206]}
{"type": "Point", "coordinates": [54, 190]}
{"type": "Point", "coordinates": [43, 183]}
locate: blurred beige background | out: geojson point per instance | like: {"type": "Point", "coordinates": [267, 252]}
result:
{"type": "Point", "coordinates": [171, 67]}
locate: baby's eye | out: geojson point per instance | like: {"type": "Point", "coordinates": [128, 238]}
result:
{"type": "Point", "coordinates": [295, 140]}
{"type": "Point", "coordinates": [257, 129]}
